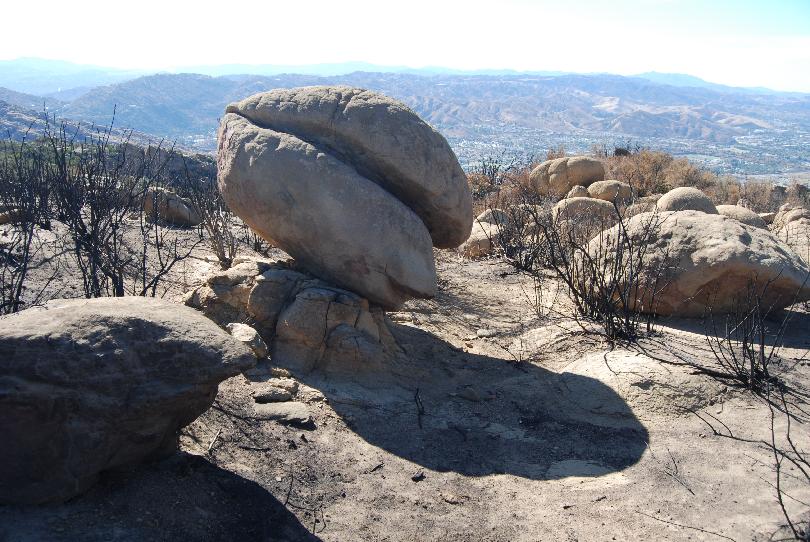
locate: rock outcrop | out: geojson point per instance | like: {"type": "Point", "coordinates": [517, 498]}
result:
{"type": "Point", "coordinates": [88, 385]}
{"type": "Point", "coordinates": [305, 322]}
{"type": "Point", "coordinates": [557, 177]}
{"type": "Point", "coordinates": [744, 215]}
{"type": "Point", "coordinates": [696, 262]}
{"type": "Point", "coordinates": [352, 184]}
{"type": "Point", "coordinates": [686, 198]}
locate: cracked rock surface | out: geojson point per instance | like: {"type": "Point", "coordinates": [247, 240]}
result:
{"type": "Point", "coordinates": [306, 322]}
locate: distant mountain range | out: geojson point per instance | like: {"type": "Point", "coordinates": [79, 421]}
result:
{"type": "Point", "coordinates": [731, 129]}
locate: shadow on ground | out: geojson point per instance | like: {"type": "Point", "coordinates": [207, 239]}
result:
{"type": "Point", "coordinates": [476, 415]}
{"type": "Point", "coordinates": [183, 497]}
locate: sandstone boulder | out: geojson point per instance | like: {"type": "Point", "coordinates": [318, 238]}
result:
{"type": "Point", "coordinates": [744, 215]}
{"type": "Point", "coordinates": [165, 205]}
{"type": "Point", "coordinates": [557, 177]}
{"type": "Point", "coordinates": [379, 137]}
{"type": "Point", "coordinates": [88, 385]}
{"type": "Point", "coordinates": [697, 261]}
{"type": "Point", "coordinates": [351, 183]}
{"type": "Point", "coordinates": [796, 234]}
{"type": "Point", "coordinates": [686, 198]}
{"type": "Point", "coordinates": [305, 322]}
{"type": "Point", "coordinates": [612, 191]}
{"type": "Point", "coordinates": [578, 191]}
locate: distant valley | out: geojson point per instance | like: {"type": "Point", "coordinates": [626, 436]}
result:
{"type": "Point", "coordinates": [739, 131]}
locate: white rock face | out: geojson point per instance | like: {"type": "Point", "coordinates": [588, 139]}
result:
{"type": "Point", "coordinates": [351, 183]}
{"type": "Point", "coordinates": [708, 260]}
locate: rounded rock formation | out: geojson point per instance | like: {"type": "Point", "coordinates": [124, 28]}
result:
{"type": "Point", "coordinates": [578, 191]}
{"type": "Point", "coordinates": [557, 177]}
{"type": "Point", "coordinates": [705, 262]}
{"type": "Point", "coordinates": [612, 191]}
{"type": "Point", "coordinates": [686, 198]}
{"type": "Point", "coordinates": [352, 184]}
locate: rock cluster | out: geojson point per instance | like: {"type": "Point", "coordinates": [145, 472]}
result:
{"type": "Point", "coordinates": [350, 183]}
{"type": "Point", "coordinates": [89, 385]}
{"type": "Point", "coordinates": [557, 177]}
{"type": "Point", "coordinates": [305, 322]}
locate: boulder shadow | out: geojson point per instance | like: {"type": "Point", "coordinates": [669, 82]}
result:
{"type": "Point", "coordinates": [183, 497]}
{"type": "Point", "coordinates": [451, 411]}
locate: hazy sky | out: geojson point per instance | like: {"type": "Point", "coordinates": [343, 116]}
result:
{"type": "Point", "coordinates": [737, 42]}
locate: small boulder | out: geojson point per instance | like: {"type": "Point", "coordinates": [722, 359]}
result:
{"type": "Point", "coordinates": [612, 191]}
{"type": "Point", "coordinates": [249, 336]}
{"type": "Point", "coordinates": [161, 203]}
{"type": "Point", "coordinates": [686, 198]}
{"type": "Point", "coordinates": [493, 216]}
{"type": "Point", "coordinates": [482, 241]}
{"type": "Point", "coordinates": [578, 191]}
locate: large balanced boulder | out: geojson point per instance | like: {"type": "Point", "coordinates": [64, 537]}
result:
{"type": "Point", "coordinates": [686, 198]}
{"type": "Point", "coordinates": [351, 183]}
{"type": "Point", "coordinates": [306, 323]}
{"type": "Point", "coordinates": [163, 204]}
{"type": "Point", "coordinates": [557, 177]}
{"type": "Point", "coordinates": [744, 215]}
{"type": "Point", "coordinates": [88, 385]}
{"type": "Point", "coordinates": [697, 262]}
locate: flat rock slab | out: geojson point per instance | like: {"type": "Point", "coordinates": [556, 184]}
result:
{"type": "Point", "coordinates": [289, 413]}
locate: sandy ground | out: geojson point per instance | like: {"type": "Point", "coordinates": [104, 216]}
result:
{"type": "Point", "coordinates": [498, 422]}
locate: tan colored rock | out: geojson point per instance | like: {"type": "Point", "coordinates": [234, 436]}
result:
{"type": "Point", "coordinates": [767, 217]}
{"type": "Point", "coordinates": [494, 216]}
{"type": "Point", "coordinates": [336, 223]}
{"type": "Point", "coordinates": [706, 261]}
{"type": "Point", "coordinates": [638, 208]}
{"type": "Point", "coordinates": [788, 215]}
{"type": "Point", "coordinates": [248, 336]}
{"type": "Point", "coordinates": [482, 242]}
{"type": "Point", "coordinates": [380, 138]}
{"type": "Point", "coordinates": [305, 322]}
{"type": "Point", "coordinates": [686, 198]}
{"type": "Point", "coordinates": [583, 218]}
{"type": "Point", "coordinates": [578, 191]}
{"type": "Point", "coordinates": [166, 205]}
{"type": "Point", "coordinates": [612, 191]}
{"type": "Point", "coordinates": [557, 177]}
{"type": "Point", "coordinates": [744, 215]}
{"type": "Point", "coordinates": [87, 385]}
